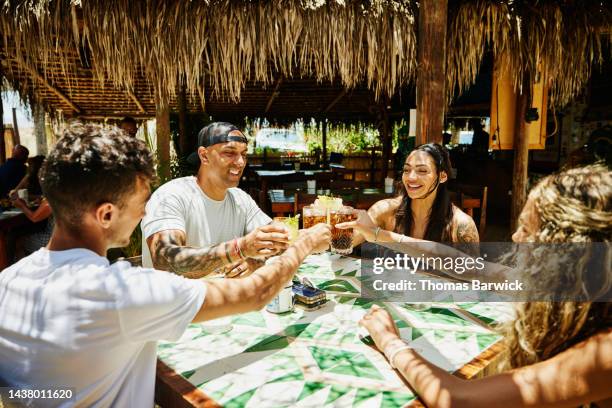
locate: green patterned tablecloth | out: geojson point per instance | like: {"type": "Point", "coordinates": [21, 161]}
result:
{"type": "Point", "coordinates": [322, 358]}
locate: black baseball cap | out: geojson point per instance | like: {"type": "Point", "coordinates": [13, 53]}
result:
{"type": "Point", "coordinates": [216, 132]}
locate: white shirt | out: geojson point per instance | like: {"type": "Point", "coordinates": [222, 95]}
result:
{"type": "Point", "coordinates": [180, 204]}
{"type": "Point", "coordinates": [69, 319]}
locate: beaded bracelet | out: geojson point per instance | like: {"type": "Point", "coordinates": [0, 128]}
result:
{"type": "Point", "coordinates": [227, 252]}
{"type": "Point", "coordinates": [240, 249]}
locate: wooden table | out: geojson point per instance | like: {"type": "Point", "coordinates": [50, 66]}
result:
{"type": "Point", "coordinates": [10, 219]}
{"type": "Point", "coordinates": [282, 201]}
{"type": "Point", "coordinates": [319, 358]}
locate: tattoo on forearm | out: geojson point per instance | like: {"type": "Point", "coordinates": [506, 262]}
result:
{"type": "Point", "coordinates": [255, 263]}
{"type": "Point", "coordinates": [170, 253]}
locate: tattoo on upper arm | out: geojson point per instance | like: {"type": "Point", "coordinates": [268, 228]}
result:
{"type": "Point", "coordinates": [467, 232]}
{"type": "Point", "coordinates": [170, 253]}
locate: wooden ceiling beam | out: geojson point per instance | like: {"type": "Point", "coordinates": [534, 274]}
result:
{"type": "Point", "coordinates": [137, 102]}
{"type": "Point", "coordinates": [335, 101]}
{"type": "Point", "coordinates": [49, 86]}
{"type": "Point", "coordinates": [113, 116]}
{"type": "Point", "coordinates": [275, 93]}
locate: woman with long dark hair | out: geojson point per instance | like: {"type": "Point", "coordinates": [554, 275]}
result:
{"type": "Point", "coordinates": [423, 208]}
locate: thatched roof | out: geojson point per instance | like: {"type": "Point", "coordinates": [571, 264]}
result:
{"type": "Point", "coordinates": [100, 57]}
{"type": "Point", "coordinates": [555, 40]}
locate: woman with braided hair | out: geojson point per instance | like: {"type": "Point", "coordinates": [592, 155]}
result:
{"type": "Point", "coordinates": [559, 354]}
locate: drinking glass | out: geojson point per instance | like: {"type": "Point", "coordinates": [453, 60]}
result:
{"type": "Point", "coordinates": [292, 224]}
{"type": "Point", "coordinates": [342, 239]}
{"type": "Point", "coordinates": [313, 215]}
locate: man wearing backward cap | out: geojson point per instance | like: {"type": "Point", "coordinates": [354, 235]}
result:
{"type": "Point", "coordinates": [197, 225]}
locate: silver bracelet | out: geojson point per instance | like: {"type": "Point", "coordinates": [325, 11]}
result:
{"type": "Point", "coordinates": [394, 348]}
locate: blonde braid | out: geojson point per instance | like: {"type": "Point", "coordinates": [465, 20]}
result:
{"type": "Point", "coordinates": [573, 206]}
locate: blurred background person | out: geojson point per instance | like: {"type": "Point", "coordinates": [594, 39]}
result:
{"type": "Point", "coordinates": [129, 126]}
{"type": "Point", "coordinates": [30, 180]}
{"type": "Point", "coordinates": [38, 211]}
{"type": "Point", "coordinates": [13, 170]}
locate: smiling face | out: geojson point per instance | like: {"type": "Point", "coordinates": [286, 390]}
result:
{"type": "Point", "coordinates": [420, 174]}
{"type": "Point", "coordinates": [224, 162]}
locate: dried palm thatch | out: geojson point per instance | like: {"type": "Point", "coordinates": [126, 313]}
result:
{"type": "Point", "coordinates": [558, 41]}
{"type": "Point", "coordinates": [229, 41]}
{"type": "Point", "coordinates": [226, 43]}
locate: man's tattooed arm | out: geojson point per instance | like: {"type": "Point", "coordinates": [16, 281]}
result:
{"type": "Point", "coordinates": [169, 253]}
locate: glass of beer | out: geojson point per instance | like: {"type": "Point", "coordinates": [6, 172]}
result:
{"type": "Point", "coordinates": [342, 239]}
{"type": "Point", "coordinates": [313, 215]}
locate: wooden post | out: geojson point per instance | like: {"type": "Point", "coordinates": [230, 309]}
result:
{"type": "Point", "coordinates": [162, 120]}
{"type": "Point", "coordinates": [431, 74]}
{"type": "Point", "coordinates": [2, 143]}
{"type": "Point", "coordinates": [16, 138]}
{"type": "Point", "coordinates": [184, 142]}
{"type": "Point", "coordinates": [385, 130]}
{"type": "Point", "coordinates": [324, 125]}
{"type": "Point", "coordinates": [38, 115]}
{"type": "Point", "coordinates": [521, 156]}
{"type": "Point", "coordinates": [373, 167]}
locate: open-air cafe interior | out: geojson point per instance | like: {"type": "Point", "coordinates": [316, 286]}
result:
{"type": "Point", "coordinates": [413, 125]}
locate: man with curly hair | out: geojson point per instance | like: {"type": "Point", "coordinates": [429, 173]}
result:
{"type": "Point", "coordinates": [71, 320]}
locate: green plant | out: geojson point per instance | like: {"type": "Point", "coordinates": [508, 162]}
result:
{"type": "Point", "coordinates": [342, 138]}
{"type": "Point", "coordinates": [134, 248]}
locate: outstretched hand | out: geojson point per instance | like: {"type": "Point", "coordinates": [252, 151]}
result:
{"type": "Point", "coordinates": [363, 224]}
{"type": "Point", "coordinates": [379, 323]}
{"type": "Point", "coordinates": [320, 236]}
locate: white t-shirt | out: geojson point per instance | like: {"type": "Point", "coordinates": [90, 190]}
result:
{"type": "Point", "coordinates": [69, 319]}
{"type": "Point", "coordinates": [180, 204]}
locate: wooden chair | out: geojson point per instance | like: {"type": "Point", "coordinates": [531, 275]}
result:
{"type": "Point", "coordinates": [263, 201]}
{"type": "Point", "coordinates": [301, 200]}
{"type": "Point", "coordinates": [471, 197]}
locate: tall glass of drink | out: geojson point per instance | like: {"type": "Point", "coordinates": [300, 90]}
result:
{"type": "Point", "coordinates": [342, 239]}
{"type": "Point", "coordinates": [313, 215]}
